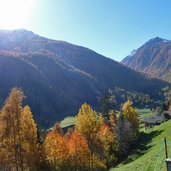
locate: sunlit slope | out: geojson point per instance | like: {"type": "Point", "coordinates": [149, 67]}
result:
{"type": "Point", "coordinates": [151, 150]}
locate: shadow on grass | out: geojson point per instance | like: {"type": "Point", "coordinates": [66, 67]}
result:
{"type": "Point", "coordinates": [143, 145]}
{"type": "Point", "coordinates": [146, 138]}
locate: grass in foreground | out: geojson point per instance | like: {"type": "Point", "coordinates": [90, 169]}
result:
{"type": "Point", "coordinates": [150, 149]}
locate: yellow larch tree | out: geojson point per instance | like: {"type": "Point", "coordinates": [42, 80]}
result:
{"type": "Point", "coordinates": [87, 124]}
{"type": "Point", "coordinates": [29, 140]}
{"type": "Point", "coordinates": [10, 132]}
{"type": "Point", "coordinates": [130, 114]}
{"type": "Point", "coordinates": [18, 135]}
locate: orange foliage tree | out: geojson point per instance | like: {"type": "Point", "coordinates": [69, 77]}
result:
{"type": "Point", "coordinates": [79, 152]}
{"type": "Point", "coordinates": [56, 149]}
{"type": "Point", "coordinates": [108, 144]}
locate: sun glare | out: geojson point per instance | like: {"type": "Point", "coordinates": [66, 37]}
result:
{"type": "Point", "coordinates": [15, 13]}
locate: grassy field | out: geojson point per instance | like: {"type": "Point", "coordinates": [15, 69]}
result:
{"type": "Point", "coordinates": [150, 150]}
{"type": "Point", "coordinates": [68, 121]}
{"type": "Point", "coordinates": [143, 113]}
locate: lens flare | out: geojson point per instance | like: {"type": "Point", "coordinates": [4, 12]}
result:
{"type": "Point", "coordinates": [15, 13]}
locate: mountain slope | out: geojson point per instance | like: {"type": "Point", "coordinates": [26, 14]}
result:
{"type": "Point", "coordinates": [153, 58]}
{"type": "Point", "coordinates": [57, 77]}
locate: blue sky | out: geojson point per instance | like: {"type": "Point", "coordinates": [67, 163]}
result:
{"type": "Point", "coordinates": [112, 28]}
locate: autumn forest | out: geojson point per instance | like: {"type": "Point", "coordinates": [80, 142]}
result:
{"type": "Point", "coordinates": [96, 142]}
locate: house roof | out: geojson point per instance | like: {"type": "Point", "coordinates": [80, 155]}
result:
{"type": "Point", "coordinates": [155, 119]}
{"type": "Point", "coordinates": [166, 112]}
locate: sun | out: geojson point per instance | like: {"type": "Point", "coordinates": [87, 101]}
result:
{"type": "Point", "coordinates": [15, 13]}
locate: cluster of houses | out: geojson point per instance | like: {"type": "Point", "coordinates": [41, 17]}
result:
{"type": "Point", "coordinates": [157, 119]}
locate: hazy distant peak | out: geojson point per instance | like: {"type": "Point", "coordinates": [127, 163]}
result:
{"type": "Point", "coordinates": [22, 31]}
{"type": "Point", "coordinates": [16, 34]}
{"type": "Point", "coordinates": [11, 39]}
{"type": "Point", "coordinates": [16, 31]}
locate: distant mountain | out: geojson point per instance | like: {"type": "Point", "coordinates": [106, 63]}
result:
{"type": "Point", "coordinates": [57, 77]}
{"type": "Point", "coordinates": [153, 58]}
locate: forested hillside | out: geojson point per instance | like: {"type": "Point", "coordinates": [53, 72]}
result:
{"type": "Point", "coordinates": [57, 77]}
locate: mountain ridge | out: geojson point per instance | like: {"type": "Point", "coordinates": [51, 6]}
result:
{"type": "Point", "coordinates": [152, 58]}
{"type": "Point", "coordinates": [57, 77]}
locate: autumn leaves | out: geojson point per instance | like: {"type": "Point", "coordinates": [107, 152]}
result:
{"type": "Point", "coordinates": [18, 135]}
{"type": "Point", "coordinates": [78, 148]}
{"type": "Point", "coordinates": [95, 143]}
